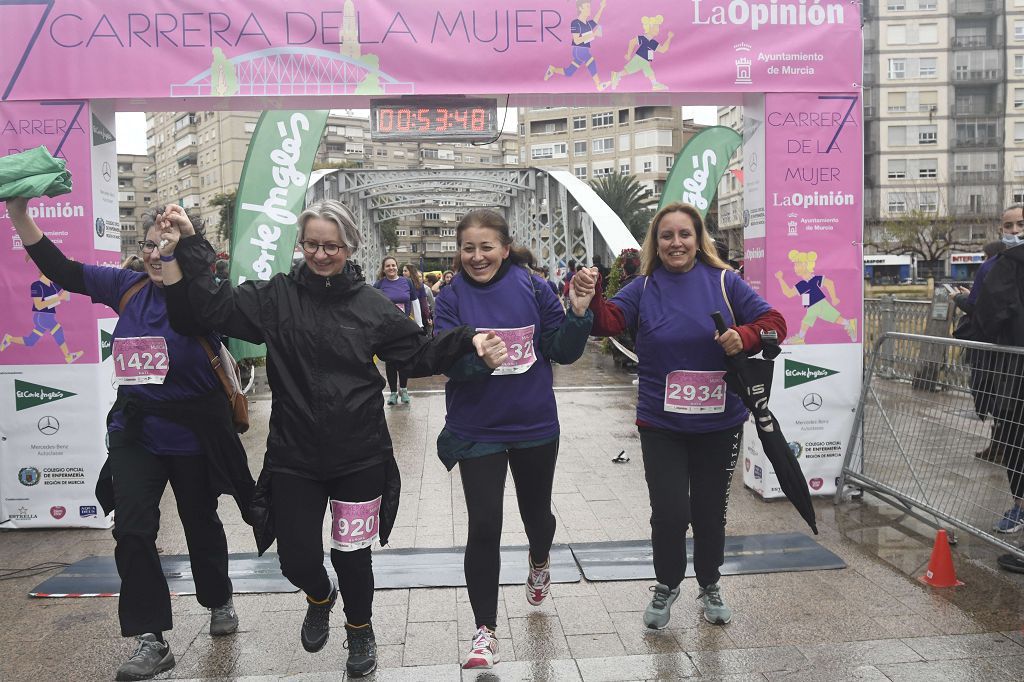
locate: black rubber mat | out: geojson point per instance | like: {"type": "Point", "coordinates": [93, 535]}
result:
{"type": "Point", "coordinates": [392, 568]}
{"type": "Point", "coordinates": [633, 559]}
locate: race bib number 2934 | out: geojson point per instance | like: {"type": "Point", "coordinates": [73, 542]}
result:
{"type": "Point", "coordinates": [688, 392]}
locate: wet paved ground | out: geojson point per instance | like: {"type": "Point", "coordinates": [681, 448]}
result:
{"type": "Point", "coordinates": [871, 621]}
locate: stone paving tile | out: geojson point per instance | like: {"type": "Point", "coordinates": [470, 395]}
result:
{"type": "Point", "coordinates": [431, 673]}
{"type": "Point", "coordinates": [638, 639]}
{"type": "Point", "coordinates": [434, 604]}
{"type": "Point", "coordinates": [706, 637]}
{"type": "Point", "coordinates": [1017, 636]}
{"type": "Point", "coordinates": [963, 670]}
{"type": "Point", "coordinates": [964, 646]}
{"type": "Point", "coordinates": [863, 673]}
{"type": "Point", "coordinates": [431, 644]}
{"type": "Point", "coordinates": [526, 671]}
{"type": "Point", "coordinates": [389, 624]}
{"type": "Point", "coordinates": [628, 596]}
{"type": "Point", "coordinates": [538, 637]}
{"type": "Point", "coordinates": [583, 615]}
{"type": "Point", "coordinates": [514, 598]}
{"type": "Point", "coordinates": [595, 646]}
{"type": "Point", "coordinates": [653, 667]}
{"type": "Point", "coordinates": [760, 660]}
{"type": "Point", "coordinates": [854, 654]}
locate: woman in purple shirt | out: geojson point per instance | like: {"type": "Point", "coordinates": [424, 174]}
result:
{"type": "Point", "coordinates": [400, 291]}
{"type": "Point", "coordinates": [507, 420]}
{"type": "Point", "coordinates": [164, 382]}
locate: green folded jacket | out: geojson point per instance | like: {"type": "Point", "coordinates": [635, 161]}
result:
{"type": "Point", "coordinates": [33, 173]}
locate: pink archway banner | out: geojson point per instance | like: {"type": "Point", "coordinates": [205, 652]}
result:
{"type": "Point", "coordinates": [148, 50]}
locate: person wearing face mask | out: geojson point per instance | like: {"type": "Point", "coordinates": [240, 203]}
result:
{"type": "Point", "coordinates": [329, 446]}
{"type": "Point", "coordinates": [690, 424]}
{"type": "Point", "coordinates": [508, 420]}
{"type": "Point", "coordinates": [999, 318]}
{"type": "Point", "coordinates": [169, 421]}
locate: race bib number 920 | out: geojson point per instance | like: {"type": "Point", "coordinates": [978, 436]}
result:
{"type": "Point", "coordinates": [354, 525]}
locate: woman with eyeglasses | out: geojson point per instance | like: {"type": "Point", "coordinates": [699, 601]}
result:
{"type": "Point", "coordinates": [169, 422]}
{"type": "Point", "coordinates": [329, 446]}
{"type": "Point", "coordinates": [402, 293]}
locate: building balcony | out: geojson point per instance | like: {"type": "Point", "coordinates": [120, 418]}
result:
{"type": "Point", "coordinates": [977, 177]}
{"type": "Point", "coordinates": [961, 110]}
{"type": "Point", "coordinates": [977, 141]}
{"type": "Point", "coordinates": [977, 76]}
{"type": "Point", "coordinates": [976, 42]}
{"type": "Point", "coordinates": [967, 7]}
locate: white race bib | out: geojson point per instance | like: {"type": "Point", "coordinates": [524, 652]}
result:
{"type": "Point", "coordinates": [521, 353]}
{"type": "Point", "coordinates": [140, 360]}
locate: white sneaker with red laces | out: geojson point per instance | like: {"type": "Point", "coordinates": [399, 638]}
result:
{"type": "Point", "coordinates": [484, 653]}
{"type": "Point", "coordinates": [538, 583]}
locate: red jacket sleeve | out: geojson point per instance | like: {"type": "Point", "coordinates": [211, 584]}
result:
{"type": "Point", "coordinates": [751, 333]}
{"type": "Point", "coordinates": [608, 319]}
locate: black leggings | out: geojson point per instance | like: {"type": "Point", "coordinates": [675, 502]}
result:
{"type": "Point", "coordinates": [396, 377]}
{"type": "Point", "coordinates": [483, 481]}
{"type": "Point", "coordinates": [299, 505]}
{"type": "Point", "coordinates": [139, 481]}
{"type": "Point", "coordinates": [688, 477]}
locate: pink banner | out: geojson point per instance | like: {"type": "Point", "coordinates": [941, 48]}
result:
{"type": "Point", "coordinates": [42, 323]}
{"type": "Point", "coordinates": [191, 49]}
{"type": "Point", "coordinates": [813, 215]}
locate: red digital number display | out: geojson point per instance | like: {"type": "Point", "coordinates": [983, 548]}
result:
{"type": "Point", "coordinates": [403, 120]}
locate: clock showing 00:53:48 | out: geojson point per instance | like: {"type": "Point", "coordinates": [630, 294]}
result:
{"type": "Point", "coordinates": [415, 118]}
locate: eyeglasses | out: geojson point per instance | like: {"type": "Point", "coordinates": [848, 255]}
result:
{"type": "Point", "coordinates": [329, 249]}
{"type": "Point", "coordinates": [147, 246]}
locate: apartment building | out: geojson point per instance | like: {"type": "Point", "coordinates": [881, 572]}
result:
{"type": "Point", "coordinates": [730, 189]}
{"type": "Point", "coordinates": [592, 142]}
{"type": "Point", "coordinates": [944, 116]}
{"type": "Point", "coordinates": [136, 189]}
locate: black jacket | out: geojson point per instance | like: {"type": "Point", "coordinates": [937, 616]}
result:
{"type": "Point", "coordinates": [999, 311]}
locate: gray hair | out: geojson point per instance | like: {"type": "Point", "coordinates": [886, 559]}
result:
{"type": "Point", "coordinates": [337, 213]}
{"type": "Point", "coordinates": [1013, 207]}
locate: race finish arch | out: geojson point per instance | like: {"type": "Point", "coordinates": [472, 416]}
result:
{"type": "Point", "coordinates": [67, 65]}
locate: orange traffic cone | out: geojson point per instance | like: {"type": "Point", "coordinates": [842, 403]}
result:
{"type": "Point", "coordinates": [940, 571]}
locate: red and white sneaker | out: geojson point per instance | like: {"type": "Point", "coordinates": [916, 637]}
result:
{"type": "Point", "coordinates": [484, 653]}
{"type": "Point", "coordinates": [538, 583]}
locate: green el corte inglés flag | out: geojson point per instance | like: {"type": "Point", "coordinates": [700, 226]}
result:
{"type": "Point", "coordinates": [699, 168]}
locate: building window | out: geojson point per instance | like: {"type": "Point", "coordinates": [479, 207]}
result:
{"type": "Point", "coordinates": [897, 102]}
{"type": "Point", "coordinates": [897, 202]}
{"type": "Point", "coordinates": [1018, 65]}
{"type": "Point", "coordinates": [580, 172]}
{"type": "Point", "coordinates": [1018, 98]}
{"type": "Point", "coordinates": [668, 162]}
{"type": "Point", "coordinates": [927, 135]}
{"type": "Point", "coordinates": [624, 168]}
{"type": "Point", "coordinates": [897, 136]}
{"type": "Point", "coordinates": [927, 67]}
{"type": "Point", "coordinates": [897, 169]}
{"type": "Point", "coordinates": [975, 203]}
{"type": "Point", "coordinates": [896, 5]}
{"type": "Point", "coordinates": [897, 69]}
{"type": "Point", "coordinates": [604, 145]}
{"type": "Point", "coordinates": [1018, 30]}
{"type": "Point", "coordinates": [540, 152]}
{"type": "Point", "coordinates": [605, 118]}
{"type": "Point", "coordinates": [927, 169]}
{"type": "Point", "coordinates": [928, 34]}
{"type": "Point", "coordinates": [897, 34]}
{"type": "Point", "coordinates": [600, 172]}
{"type": "Point", "coordinates": [925, 5]}
{"type": "Point", "coordinates": [1018, 131]}
{"type": "Point", "coordinates": [928, 201]}
{"type": "Point", "coordinates": [579, 148]}
{"type": "Point", "coordinates": [579, 122]}
{"type": "Point", "coordinates": [648, 166]}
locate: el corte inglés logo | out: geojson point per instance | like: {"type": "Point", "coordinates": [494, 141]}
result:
{"type": "Point", "coordinates": [28, 395]}
{"type": "Point", "coordinates": [800, 373]}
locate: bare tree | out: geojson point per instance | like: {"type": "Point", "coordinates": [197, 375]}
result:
{"type": "Point", "coordinates": [928, 231]}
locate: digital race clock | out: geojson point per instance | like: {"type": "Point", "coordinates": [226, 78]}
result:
{"type": "Point", "coordinates": [414, 118]}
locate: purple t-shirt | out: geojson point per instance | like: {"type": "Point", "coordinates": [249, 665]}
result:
{"type": "Point", "coordinates": [509, 407]}
{"type": "Point", "coordinates": [189, 374]}
{"type": "Point", "coordinates": [674, 331]}
{"type": "Point", "coordinates": [398, 291]}
{"type": "Point", "coordinates": [646, 47]}
{"type": "Point", "coordinates": [811, 287]}
{"type": "Point", "coordinates": [40, 289]}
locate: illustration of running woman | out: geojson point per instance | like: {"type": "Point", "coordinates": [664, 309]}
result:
{"type": "Point", "coordinates": [809, 288]}
{"type": "Point", "coordinates": [46, 296]}
{"type": "Point", "coordinates": [584, 30]}
{"type": "Point", "coordinates": [643, 48]}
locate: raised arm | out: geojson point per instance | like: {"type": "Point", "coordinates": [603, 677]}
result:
{"type": "Point", "coordinates": [44, 253]}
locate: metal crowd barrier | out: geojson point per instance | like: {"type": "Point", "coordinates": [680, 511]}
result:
{"type": "Point", "coordinates": [917, 430]}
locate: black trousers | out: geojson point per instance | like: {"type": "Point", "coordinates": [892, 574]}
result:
{"type": "Point", "coordinates": [299, 505]}
{"type": "Point", "coordinates": [396, 377]}
{"type": "Point", "coordinates": [688, 477]}
{"type": "Point", "coordinates": [139, 481]}
{"type": "Point", "coordinates": [483, 481]}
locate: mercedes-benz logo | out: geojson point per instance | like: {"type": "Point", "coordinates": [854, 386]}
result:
{"type": "Point", "coordinates": [812, 402]}
{"type": "Point", "coordinates": [105, 170]}
{"type": "Point", "coordinates": [48, 426]}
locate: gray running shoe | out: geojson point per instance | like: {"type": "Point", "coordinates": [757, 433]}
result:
{"type": "Point", "coordinates": [150, 658]}
{"type": "Point", "coordinates": [715, 610]}
{"type": "Point", "coordinates": [223, 619]}
{"type": "Point", "coordinates": [658, 612]}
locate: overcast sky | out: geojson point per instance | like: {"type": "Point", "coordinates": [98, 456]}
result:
{"type": "Point", "coordinates": [131, 126]}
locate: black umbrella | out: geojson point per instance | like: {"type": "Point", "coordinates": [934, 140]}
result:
{"type": "Point", "coordinates": [751, 380]}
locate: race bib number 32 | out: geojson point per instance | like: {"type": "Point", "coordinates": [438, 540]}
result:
{"type": "Point", "coordinates": [689, 392]}
{"type": "Point", "coordinates": [354, 525]}
{"type": "Point", "coordinates": [140, 360]}
{"type": "Point", "coordinates": [521, 353]}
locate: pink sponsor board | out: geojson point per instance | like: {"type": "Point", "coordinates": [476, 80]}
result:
{"type": "Point", "coordinates": [267, 49]}
{"type": "Point", "coordinates": [813, 215]}
{"type": "Point", "coordinates": [42, 324]}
